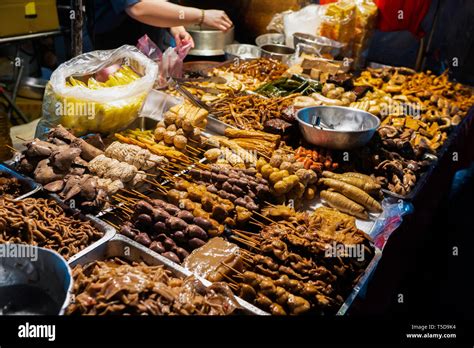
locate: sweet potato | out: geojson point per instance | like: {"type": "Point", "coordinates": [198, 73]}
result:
{"type": "Point", "coordinates": [344, 204]}
{"type": "Point", "coordinates": [353, 193]}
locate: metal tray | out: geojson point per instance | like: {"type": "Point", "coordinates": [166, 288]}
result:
{"type": "Point", "coordinates": [108, 231]}
{"type": "Point", "coordinates": [29, 185]}
{"type": "Point", "coordinates": [366, 226]}
{"type": "Point", "coordinates": [361, 283]}
{"type": "Point", "coordinates": [424, 177]}
{"type": "Point", "coordinates": [121, 246]}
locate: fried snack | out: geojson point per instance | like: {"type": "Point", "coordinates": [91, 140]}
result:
{"type": "Point", "coordinates": [290, 265]}
{"type": "Point", "coordinates": [317, 160]}
{"type": "Point", "coordinates": [344, 204]}
{"type": "Point", "coordinates": [42, 222]}
{"type": "Point", "coordinates": [142, 159]}
{"type": "Point", "coordinates": [288, 178]}
{"type": "Point", "coordinates": [122, 288]}
{"type": "Point", "coordinates": [354, 193]}
{"type": "Point", "coordinates": [10, 186]}
{"type": "Point", "coordinates": [172, 228]}
{"type": "Point", "coordinates": [249, 112]}
{"type": "Point", "coordinates": [262, 69]}
{"type": "Point", "coordinates": [254, 141]}
{"type": "Point", "coordinates": [214, 260]}
{"type": "Point", "coordinates": [367, 184]}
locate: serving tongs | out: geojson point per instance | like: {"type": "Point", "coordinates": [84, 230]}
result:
{"type": "Point", "coordinates": [317, 122]}
{"type": "Point", "coordinates": [186, 94]}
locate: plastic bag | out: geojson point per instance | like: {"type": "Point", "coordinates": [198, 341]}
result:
{"type": "Point", "coordinates": [306, 20]}
{"type": "Point", "coordinates": [157, 103]}
{"type": "Point", "coordinates": [276, 23]}
{"type": "Point", "coordinates": [170, 63]}
{"type": "Point", "coordinates": [96, 106]}
{"type": "Point", "coordinates": [149, 48]}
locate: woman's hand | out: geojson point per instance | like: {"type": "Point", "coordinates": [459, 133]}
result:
{"type": "Point", "coordinates": [217, 19]}
{"type": "Point", "coordinates": [181, 36]}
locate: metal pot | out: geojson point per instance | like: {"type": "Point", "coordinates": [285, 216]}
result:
{"type": "Point", "coordinates": [270, 39]}
{"type": "Point", "coordinates": [340, 128]}
{"type": "Point", "coordinates": [322, 44]}
{"type": "Point", "coordinates": [33, 281]}
{"type": "Point", "coordinates": [278, 52]}
{"type": "Point", "coordinates": [209, 41]}
{"type": "Point", "coordinates": [242, 51]}
{"type": "Point", "coordinates": [32, 88]}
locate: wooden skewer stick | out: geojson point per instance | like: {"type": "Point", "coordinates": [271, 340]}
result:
{"type": "Point", "coordinates": [229, 279]}
{"type": "Point", "coordinates": [11, 148]}
{"type": "Point", "coordinates": [266, 218]}
{"type": "Point", "coordinates": [112, 224]}
{"type": "Point", "coordinates": [245, 242]}
{"type": "Point", "coordinates": [231, 268]}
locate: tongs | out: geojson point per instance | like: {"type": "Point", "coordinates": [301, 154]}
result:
{"type": "Point", "coordinates": [317, 122]}
{"type": "Point", "coordinates": [186, 94]}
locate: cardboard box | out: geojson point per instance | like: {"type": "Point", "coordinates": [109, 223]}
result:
{"type": "Point", "coordinates": [20, 17]}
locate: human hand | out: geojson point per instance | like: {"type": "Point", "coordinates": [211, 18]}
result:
{"type": "Point", "coordinates": [217, 19]}
{"type": "Point", "coordinates": [181, 36]}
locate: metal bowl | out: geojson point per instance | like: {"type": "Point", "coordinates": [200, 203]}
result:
{"type": "Point", "coordinates": [341, 128]}
{"type": "Point", "coordinates": [322, 44]}
{"type": "Point", "coordinates": [209, 41]}
{"type": "Point", "coordinates": [32, 88]}
{"type": "Point", "coordinates": [270, 39]}
{"type": "Point", "coordinates": [242, 51]}
{"type": "Point", "coordinates": [33, 281]}
{"type": "Point", "coordinates": [281, 53]}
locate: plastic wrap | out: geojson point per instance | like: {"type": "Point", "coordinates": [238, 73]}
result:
{"type": "Point", "coordinates": [306, 20]}
{"type": "Point", "coordinates": [100, 110]}
{"type": "Point", "coordinates": [391, 218]}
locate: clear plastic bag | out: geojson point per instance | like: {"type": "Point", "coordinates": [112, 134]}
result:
{"type": "Point", "coordinates": [170, 62]}
{"type": "Point", "coordinates": [307, 20]}
{"type": "Point", "coordinates": [105, 107]}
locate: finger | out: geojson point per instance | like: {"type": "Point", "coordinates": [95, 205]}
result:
{"type": "Point", "coordinates": [228, 21]}
{"type": "Point", "coordinates": [226, 25]}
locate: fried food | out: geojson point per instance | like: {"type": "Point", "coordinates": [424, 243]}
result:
{"type": "Point", "coordinates": [121, 288]}
{"type": "Point", "coordinates": [42, 222]}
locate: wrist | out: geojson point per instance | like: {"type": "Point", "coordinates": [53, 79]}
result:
{"type": "Point", "coordinates": [202, 17]}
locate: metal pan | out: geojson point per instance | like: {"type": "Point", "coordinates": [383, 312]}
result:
{"type": "Point", "coordinates": [121, 246]}
{"type": "Point", "coordinates": [108, 231]}
{"type": "Point", "coordinates": [424, 177]}
{"type": "Point", "coordinates": [361, 283]}
{"type": "Point", "coordinates": [29, 186]}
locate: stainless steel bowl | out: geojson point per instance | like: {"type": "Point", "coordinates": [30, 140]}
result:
{"type": "Point", "coordinates": [270, 39]}
{"type": "Point", "coordinates": [209, 41]}
{"type": "Point", "coordinates": [242, 51]}
{"type": "Point", "coordinates": [33, 281]}
{"type": "Point", "coordinates": [32, 88]}
{"type": "Point", "coordinates": [322, 44]}
{"type": "Point", "coordinates": [341, 128]}
{"type": "Point", "coordinates": [278, 52]}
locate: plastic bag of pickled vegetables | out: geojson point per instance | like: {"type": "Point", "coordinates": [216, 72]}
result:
{"type": "Point", "coordinates": [98, 92]}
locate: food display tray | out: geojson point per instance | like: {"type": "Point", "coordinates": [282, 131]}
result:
{"type": "Point", "coordinates": [424, 177]}
{"type": "Point", "coordinates": [108, 231]}
{"type": "Point", "coordinates": [29, 185]}
{"type": "Point", "coordinates": [121, 246]}
{"type": "Point", "coordinates": [361, 283]}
